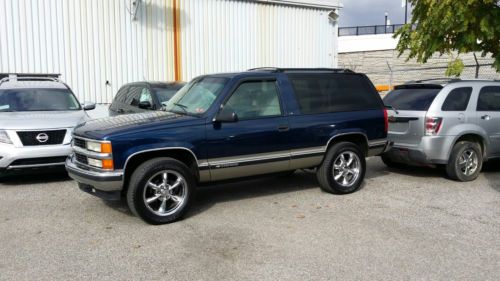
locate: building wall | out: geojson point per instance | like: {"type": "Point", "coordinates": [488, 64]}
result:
{"type": "Point", "coordinates": [97, 46]}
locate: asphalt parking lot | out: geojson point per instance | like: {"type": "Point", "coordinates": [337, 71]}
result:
{"type": "Point", "coordinates": [403, 224]}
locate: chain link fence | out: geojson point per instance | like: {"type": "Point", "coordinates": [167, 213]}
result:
{"type": "Point", "coordinates": [397, 75]}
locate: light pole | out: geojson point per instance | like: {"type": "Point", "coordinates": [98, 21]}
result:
{"type": "Point", "coordinates": [386, 15]}
{"type": "Point", "coordinates": [406, 11]}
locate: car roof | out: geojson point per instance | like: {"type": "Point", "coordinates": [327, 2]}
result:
{"type": "Point", "coordinates": [29, 84]}
{"type": "Point", "coordinates": [442, 82]}
{"type": "Point", "coordinates": [158, 83]}
{"type": "Point", "coordinates": [268, 70]}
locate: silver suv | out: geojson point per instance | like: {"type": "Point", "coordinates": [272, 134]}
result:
{"type": "Point", "coordinates": [455, 124]}
{"type": "Point", "coordinates": [37, 117]}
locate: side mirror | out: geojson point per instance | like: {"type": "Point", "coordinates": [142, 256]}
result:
{"type": "Point", "coordinates": [145, 105]}
{"type": "Point", "coordinates": [88, 105]}
{"type": "Point", "coordinates": [226, 116]}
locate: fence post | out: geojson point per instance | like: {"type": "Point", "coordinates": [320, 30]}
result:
{"type": "Point", "coordinates": [390, 74]}
{"type": "Point", "coordinates": [477, 66]}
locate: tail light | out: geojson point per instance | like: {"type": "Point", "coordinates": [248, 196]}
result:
{"type": "Point", "coordinates": [432, 125]}
{"type": "Point", "coordinates": [386, 121]}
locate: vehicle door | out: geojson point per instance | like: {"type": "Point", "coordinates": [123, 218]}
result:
{"type": "Point", "coordinates": [488, 115]}
{"type": "Point", "coordinates": [256, 142]}
{"type": "Point", "coordinates": [117, 106]}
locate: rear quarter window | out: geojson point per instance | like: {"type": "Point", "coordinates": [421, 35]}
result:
{"type": "Point", "coordinates": [325, 93]}
{"type": "Point", "coordinates": [416, 99]}
{"type": "Point", "coordinates": [457, 99]}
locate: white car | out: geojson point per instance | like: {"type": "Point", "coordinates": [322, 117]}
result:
{"type": "Point", "coordinates": [37, 117]}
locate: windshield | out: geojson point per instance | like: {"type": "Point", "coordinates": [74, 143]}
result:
{"type": "Point", "coordinates": [411, 99]}
{"type": "Point", "coordinates": [197, 96]}
{"type": "Point", "coordinates": [37, 100]}
{"type": "Point", "coordinates": [165, 94]}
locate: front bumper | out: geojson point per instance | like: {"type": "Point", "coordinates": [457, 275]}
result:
{"type": "Point", "coordinates": [17, 158]}
{"type": "Point", "coordinates": [107, 185]}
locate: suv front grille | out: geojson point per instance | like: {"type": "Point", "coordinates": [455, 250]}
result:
{"type": "Point", "coordinates": [81, 158]}
{"type": "Point", "coordinates": [79, 142]}
{"type": "Point", "coordinates": [31, 138]}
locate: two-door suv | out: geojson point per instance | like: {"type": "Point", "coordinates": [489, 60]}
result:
{"type": "Point", "coordinates": [228, 126]}
{"type": "Point", "coordinates": [454, 123]}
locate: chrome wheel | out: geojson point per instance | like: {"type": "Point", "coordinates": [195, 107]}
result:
{"type": "Point", "coordinates": [165, 192]}
{"type": "Point", "coordinates": [346, 168]}
{"type": "Point", "coordinates": [468, 162]}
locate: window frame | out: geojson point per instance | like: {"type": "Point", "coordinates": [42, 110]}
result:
{"type": "Point", "coordinates": [255, 79]}
{"type": "Point", "coordinates": [479, 95]}
{"type": "Point", "coordinates": [450, 92]}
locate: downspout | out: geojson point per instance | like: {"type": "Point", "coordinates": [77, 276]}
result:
{"type": "Point", "coordinates": [177, 41]}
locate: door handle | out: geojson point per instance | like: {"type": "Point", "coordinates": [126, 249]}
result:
{"type": "Point", "coordinates": [486, 117]}
{"type": "Point", "coordinates": [283, 128]}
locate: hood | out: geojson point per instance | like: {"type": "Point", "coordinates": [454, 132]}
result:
{"type": "Point", "coordinates": [104, 127]}
{"type": "Point", "coordinates": [41, 119]}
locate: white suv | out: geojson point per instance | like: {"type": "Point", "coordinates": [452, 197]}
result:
{"type": "Point", "coordinates": [37, 117]}
{"type": "Point", "coordinates": [455, 124]}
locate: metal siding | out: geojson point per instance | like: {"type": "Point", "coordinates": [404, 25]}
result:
{"type": "Point", "coordinates": [93, 41]}
{"type": "Point", "coordinates": [229, 35]}
{"type": "Point", "coordinates": [89, 42]}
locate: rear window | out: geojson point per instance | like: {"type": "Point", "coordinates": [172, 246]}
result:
{"type": "Point", "coordinates": [411, 99]}
{"type": "Point", "coordinates": [324, 93]}
{"type": "Point", "coordinates": [165, 93]}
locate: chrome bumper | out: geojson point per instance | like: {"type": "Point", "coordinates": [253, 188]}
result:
{"type": "Point", "coordinates": [93, 180]}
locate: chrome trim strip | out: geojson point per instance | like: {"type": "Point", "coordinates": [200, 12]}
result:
{"type": "Point", "coordinates": [34, 165]}
{"type": "Point", "coordinates": [100, 174]}
{"type": "Point", "coordinates": [377, 142]}
{"type": "Point", "coordinates": [92, 154]}
{"type": "Point", "coordinates": [307, 151]}
{"type": "Point", "coordinates": [256, 157]}
{"type": "Point", "coordinates": [346, 134]}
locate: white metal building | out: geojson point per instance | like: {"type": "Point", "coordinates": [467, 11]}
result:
{"type": "Point", "coordinates": [97, 45]}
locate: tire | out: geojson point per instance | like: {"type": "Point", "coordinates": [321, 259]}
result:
{"type": "Point", "coordinates": [325, 173]}
{"type": "Point", "coordinates": [388, 162]}
{"type": "Point", "coordinates": [168, 203]}
{"type": "Point", "coordinates": [466, 161]}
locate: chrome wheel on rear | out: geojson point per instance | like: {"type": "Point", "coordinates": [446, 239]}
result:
{"type": "Point", "coordinates": [165, 192]}
{"type": "Point", "coordinates": [346, 168]}
{"type": "Point", "coordinates": [468, 162]}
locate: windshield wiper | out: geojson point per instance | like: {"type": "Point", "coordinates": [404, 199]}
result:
{"type": "Point", "coordinates": [183, 107]}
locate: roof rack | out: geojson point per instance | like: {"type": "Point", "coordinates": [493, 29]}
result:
{"type": "Point", "coordinates": [445, 80]}
{"type": "Point", "coordinates": [277, 69]}
{"type": "Point", "coordinates": [4, 77]}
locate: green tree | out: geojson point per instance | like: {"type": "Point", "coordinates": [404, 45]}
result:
{"type": "Point", "coordinates": [443, 26]}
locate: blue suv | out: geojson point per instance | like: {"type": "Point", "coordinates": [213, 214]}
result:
{"type": "Point", "coordinates": [235, 125]}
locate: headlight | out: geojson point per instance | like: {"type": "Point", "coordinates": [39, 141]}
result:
{"type": "Point", "coordinates": [4, 138]}
{"type": "Point", "coordinates": [101, 147]}
{"type": "Point", "coordinates": [106, 164]}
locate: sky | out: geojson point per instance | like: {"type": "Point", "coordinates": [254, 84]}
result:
{"type": "Point", "coordinates": [371, 12]}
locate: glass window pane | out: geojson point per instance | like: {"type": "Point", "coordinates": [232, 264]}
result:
{"type": "Point", "coordinates": [457, 99]}
{"type": "Point", "coordinates": [489, 99]}
{"type": "Point", "coordinates": [255, 99]}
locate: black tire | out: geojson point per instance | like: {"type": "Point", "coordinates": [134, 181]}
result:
{"type": "Point", "coordinates": [389, 163]}
{"type": "Point", "coordinates": [454, 168]}
{"type": "Point", "coordinates": [150, 170]}
{"type": "Point", "coordinates": [325, 173]}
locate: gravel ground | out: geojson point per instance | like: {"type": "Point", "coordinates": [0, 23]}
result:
{"type": "Point", "coordinates": [409, 224]}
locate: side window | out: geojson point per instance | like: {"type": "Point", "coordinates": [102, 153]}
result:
{"type": "Point", "coordinates": [255, 99]}
{"type": "Point", "coordinates": [457, 99]}
{"type": "Point", "coordinates": [146, 96]}
{"type": "Point", "coordinates": [133, 95]}
{"type": "Point", "coordinates": [489, 99]}
{"type": "Point", "coordinates": [326, 93]}
{"type": "Point", "coordinates": [121, 96]}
